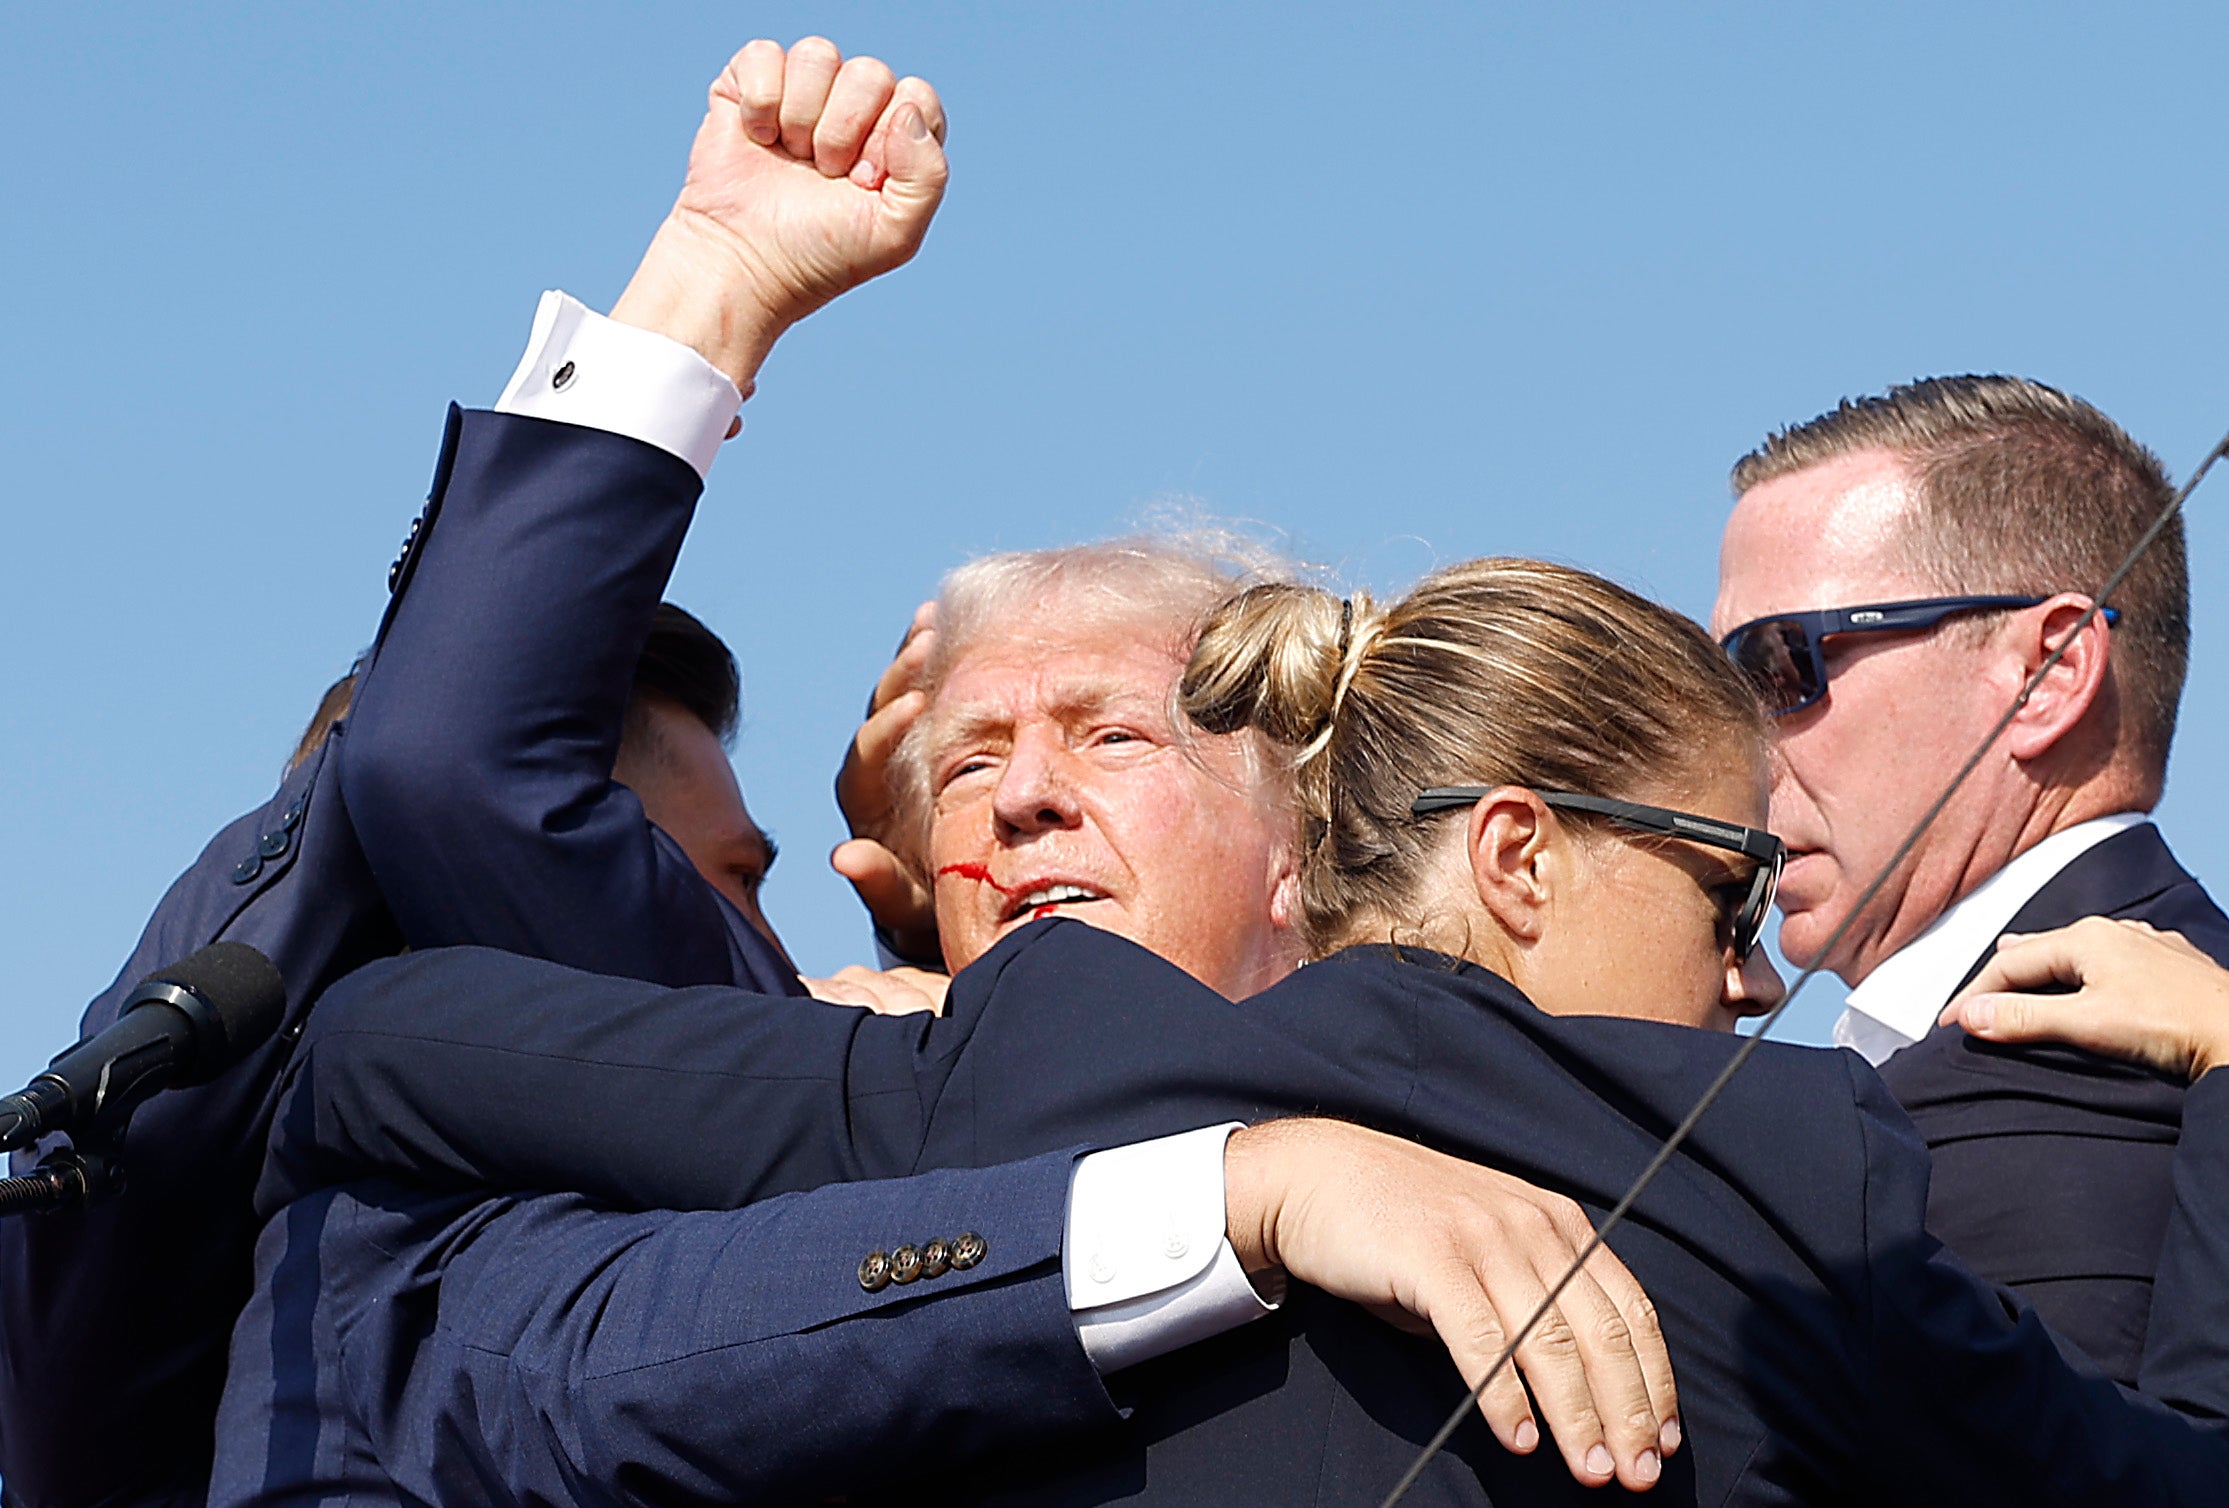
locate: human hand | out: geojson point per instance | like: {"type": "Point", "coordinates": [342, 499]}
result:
{"type": "Point", "coordinates": [810, 175]}
{"type": "Point", "coordinates": [1430, 1241]}
{"type": "Point", "coordinates": [886, 992]}
{"type": "Point", "coordinates": [2139, 994]}
{"type": "Point", "coordinates": [874, 859]}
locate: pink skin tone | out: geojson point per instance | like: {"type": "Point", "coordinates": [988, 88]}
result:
{"type": "Point", "coordinates": [1053, 760]}
{"type": "Point", "coordinates": [1610, 923]}
{"type": "Point", "coordinates": [1853, 773]}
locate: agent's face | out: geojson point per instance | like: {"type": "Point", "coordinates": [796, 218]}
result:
{"type": "Point", "coordinates": [677, 769]}
{"type": "Point", "coordinates": [1854, 772]}
{"type": "Point", "coordinates": [1060, 787]}
{"type": "Point", "coordinates": [1644, 928]}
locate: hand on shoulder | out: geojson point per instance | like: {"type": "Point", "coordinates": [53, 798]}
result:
{"type": "Point", "coordinates": [2121, 989]}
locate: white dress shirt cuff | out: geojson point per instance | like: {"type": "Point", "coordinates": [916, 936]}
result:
{"type": "Point", "coordinates": [1146, 1261]}
{"type": "Point", "coordinates": [581, 368]}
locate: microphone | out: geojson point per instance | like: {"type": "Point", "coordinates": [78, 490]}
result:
{"type": "Point", "coordinates": [181, 1026]}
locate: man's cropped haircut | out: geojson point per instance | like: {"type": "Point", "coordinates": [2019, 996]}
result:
{"type": "Point", "coordinates": [2023, 489]}
{"type": "Point", "coordinates": [688, 664]}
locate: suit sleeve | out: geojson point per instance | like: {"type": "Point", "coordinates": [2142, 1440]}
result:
{"type": "Point", "coordinates": [484, 730]}
{"type": "Point", "coordinates": [468, 1068]}
{"type": "Point", "coordinates": [465, 1068]}
{"type": "Point", "coordinates": [2186, 1353]}
{"type": "Point", "coordinates": [1975, 1400]}
{"type": "Point", "coordinates": [548, 1351]}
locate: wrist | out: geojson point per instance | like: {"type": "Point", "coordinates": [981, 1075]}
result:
{"type": "Point", "coordinates": [1252, 1196]}
{"type": "Point", "coordinates": [698, 294]}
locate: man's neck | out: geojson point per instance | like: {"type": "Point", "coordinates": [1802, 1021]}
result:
{"type": "Point", "coordinates": [1897, 1001]}
{"type": "Point", "coordinates": [2043, 811]}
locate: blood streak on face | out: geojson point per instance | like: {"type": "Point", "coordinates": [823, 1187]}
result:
{"type": "Point", "coordinates": [977, 872]}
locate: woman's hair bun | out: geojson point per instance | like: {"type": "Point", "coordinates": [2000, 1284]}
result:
{"type": "Point", "coordinates": [1273, 658]}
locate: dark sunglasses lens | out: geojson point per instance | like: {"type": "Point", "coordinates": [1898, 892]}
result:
{"type": "Point", "coordinates": [1749, 922]}
{"type": "Point", "coordinates": [1776, 657]}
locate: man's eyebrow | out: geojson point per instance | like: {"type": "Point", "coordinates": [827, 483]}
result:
{"type": "Point", "coordinates": [773, 851]}
{"type": "Point", "coordinates": [1076, 701]}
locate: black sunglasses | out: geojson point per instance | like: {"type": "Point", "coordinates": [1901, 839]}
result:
{"type": "Point", "coordinates": [1784, 656]}
{"type": "Point", "coordinates": [1745, 927]}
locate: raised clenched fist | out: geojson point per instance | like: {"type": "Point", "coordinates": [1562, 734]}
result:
{"type": "Point", "coordinates": [810, 174]}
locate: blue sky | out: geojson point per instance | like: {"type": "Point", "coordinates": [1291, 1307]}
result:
{"type": "Point", "coordinates": [1408, 284]}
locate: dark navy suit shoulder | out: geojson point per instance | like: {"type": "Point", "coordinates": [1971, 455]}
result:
{"type": "Point", "coordinates": [2054, 1167]}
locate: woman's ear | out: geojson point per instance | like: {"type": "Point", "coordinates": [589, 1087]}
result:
{"type": "Point", "coordinates": [1512, 863]}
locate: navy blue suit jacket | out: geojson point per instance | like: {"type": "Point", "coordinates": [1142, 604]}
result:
{"type": "Point", "coordinates": [2053, 1168]}
{"type": "Point", "coordinates": [1828, 1349]}
{"type": "Point", "coordinates": [466, 798]}
{"type": "Point", "coordinates": [699, 1359]}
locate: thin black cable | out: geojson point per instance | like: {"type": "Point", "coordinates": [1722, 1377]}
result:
{"type": "Point", "coordinates": [1748, 1048]}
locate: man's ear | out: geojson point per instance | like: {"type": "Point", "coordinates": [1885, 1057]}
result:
{"type": "Point", "coordinates": [1284, 888]}
{"type": "Point", "coordinates": [1512, 866]}
{"type": "Point", "coordinates": [2072, 687]}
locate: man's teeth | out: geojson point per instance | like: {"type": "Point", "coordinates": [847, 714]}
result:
{"type": "Point", "coordinates": [1055, 895]}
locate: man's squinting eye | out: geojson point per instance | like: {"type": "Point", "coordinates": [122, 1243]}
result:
{"type": "Point", "coordinates": [974, 764]}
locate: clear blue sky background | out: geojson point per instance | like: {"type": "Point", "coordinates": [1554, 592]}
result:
{"type": "Point", "coordinates": [1410, 284]}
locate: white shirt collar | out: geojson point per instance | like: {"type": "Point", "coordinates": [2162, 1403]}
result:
{"type": "Point", "coordinates": [1898, 1002]}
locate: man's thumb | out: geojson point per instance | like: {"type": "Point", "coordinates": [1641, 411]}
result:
{"type": "Point", "coordinates": [917, 164]}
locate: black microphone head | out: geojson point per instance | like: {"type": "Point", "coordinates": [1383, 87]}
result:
{"type": "Point", "coordinates": [244, 994]}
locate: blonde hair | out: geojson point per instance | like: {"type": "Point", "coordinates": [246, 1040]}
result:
{"type": "Point", "coordinates": [1493, 672]}
{"type": "Point", "coordinates": [1162, 585]}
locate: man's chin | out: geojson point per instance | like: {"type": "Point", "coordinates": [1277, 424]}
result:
{"type": "Point", "coordinates": [1803, 941]}
{"type": "Point", "coordinates": [1104, 915]}
{"type": "Point", "coordinates": [1802, 935]}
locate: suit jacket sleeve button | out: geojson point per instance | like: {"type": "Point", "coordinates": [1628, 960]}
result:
{"type": "Point", "coordinates": [968, 1249]}
{"type": "Point", "coordinates": [272, 843]}
{"type": "Point", "coordinates": [874, 1271]}
{"type": "Point", "coordinates": [936, 1258]}
{"type": "Point", "coordinates": [905, 1264]}
{"type": "Point", "coordinates": [247, 869]}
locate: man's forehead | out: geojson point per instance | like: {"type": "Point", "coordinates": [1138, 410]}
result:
{"type": "Point", "coordinates": [1042, 669]}
{"type": "Point", "coordinates": [1829, 535]}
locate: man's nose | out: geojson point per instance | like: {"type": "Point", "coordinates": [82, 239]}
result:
{"type": "Point", "coordinates": [1035, 792]}
{"type": "Point", "coordinates": [1753, 986]}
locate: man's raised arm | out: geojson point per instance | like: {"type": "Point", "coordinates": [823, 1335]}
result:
{"type": "Point", "coordinates": [477, 759]}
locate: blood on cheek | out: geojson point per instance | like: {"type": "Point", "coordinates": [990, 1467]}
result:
{"type": "Point", "coordinates": [981, 875]}
{"type": "Point", "coordinates": [978, 873]}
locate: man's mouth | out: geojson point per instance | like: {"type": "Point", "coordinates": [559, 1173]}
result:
{"type": "Point", "coordinates": [1795, 879]}
{"type": "Point", "coordinates": [1030, 899]}
{"type": "Point", "coordinates": [1043, 900]}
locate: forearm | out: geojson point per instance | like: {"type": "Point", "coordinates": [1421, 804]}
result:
{"type": "Point", "coordinates": [467, 1068]}
{"type": "Point", "coordinates": [544, 1350]}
